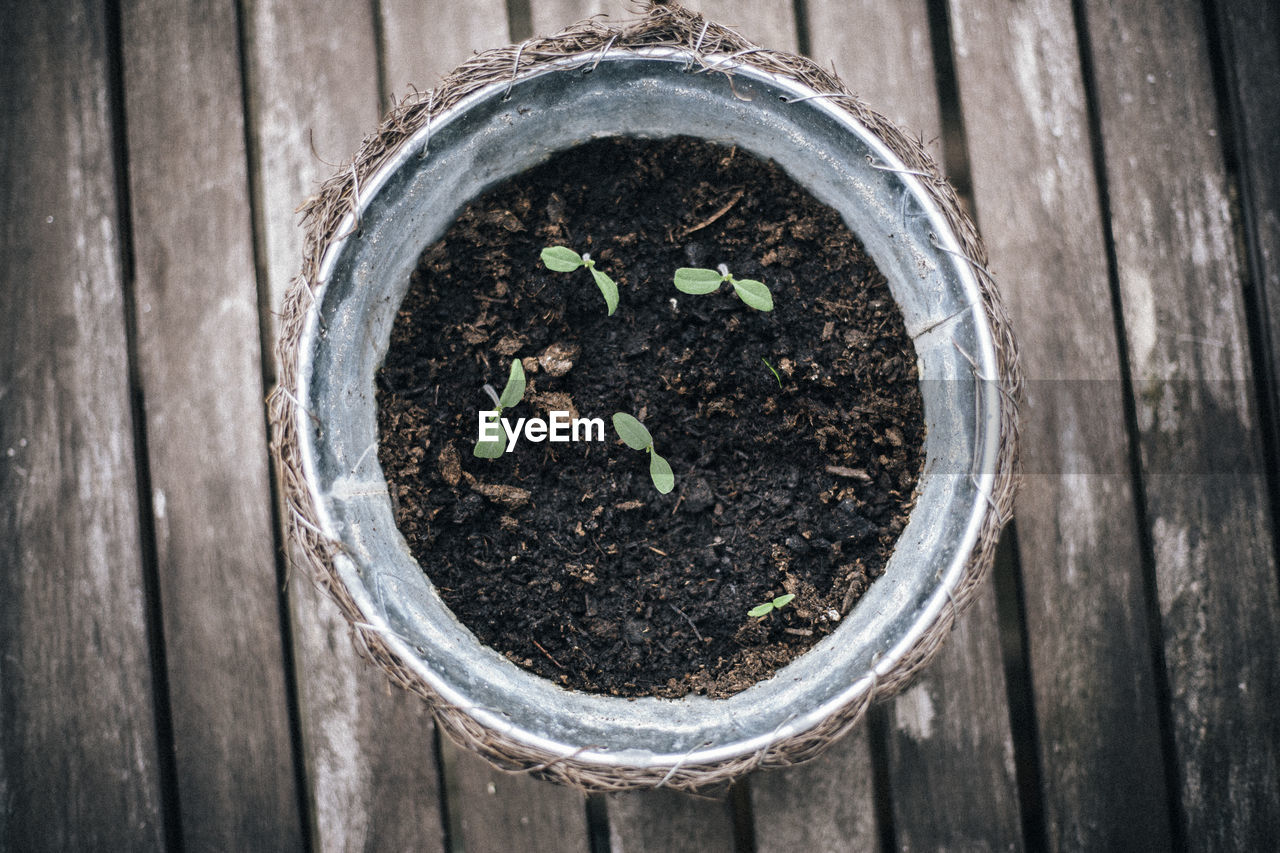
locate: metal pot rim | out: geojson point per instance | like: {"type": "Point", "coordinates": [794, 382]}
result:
{"type": "Point", "coordinates": [650, 732]}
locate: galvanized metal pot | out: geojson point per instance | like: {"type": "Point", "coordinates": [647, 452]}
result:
{"type": "Point", "coordinates": [340, 331]}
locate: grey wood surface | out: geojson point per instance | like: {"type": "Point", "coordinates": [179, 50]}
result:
{"type": "Point", "coordinates": [884, 54]}
{"type": "Point", "coordinates": [200, 368]}
{"type": "Point", "coordinates": [768, 22]}
{"type": "Point", "coordinates": [369, 751]}
{"type": "Point", "coordinates": [950, 752]}
{"type": "Point", "coordinates": [550, 16]}
{"type": "Point", "coordinates": [423, 40]}
{"type": "Point", "coordinates": [671, 821]}
{"type": "Point", "coordinates": [491, 810]}
{"type": "Point", "coordinates": [496, 812]}
{"type": "Point", "coordinates": [80, 765]}
{"type": "Point", "coordinates": [1121, 159]}
{"type": "Point", "coordinates": [1250, 50]}
{"type": "Point", "coordinates": [1203, 471]}
{"type": "Point", "coordinates": [949, 746]}
{"type": "Point", "coordinates": [826, 804]}
{"type": "Point", "coordinates": [1037, 204]}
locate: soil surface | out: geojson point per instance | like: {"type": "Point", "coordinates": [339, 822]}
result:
{"type": "Point", "coordinates": [563, 556]}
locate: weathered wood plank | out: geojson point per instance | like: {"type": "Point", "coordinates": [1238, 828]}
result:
{"type": "Point", "coordinates": [313, 95]}
{"type": "Point", "coordinates": [883, 53]}
{"type": "Point", "coordinates": [79, 764]}
{"type": "Point", "coordinates": [201, 372]}
{"type": "Point", "coordinates": [950, 750]}
{"type": "Point", "coordinates": [372, 773]}
{"type": "Point", "coordinates": [372, 777]}
{"type": "Point", "coordinates": [1250, 30]}
{"type": "Point", "coordinates": [499, 812]}
{"type": "Point", "coordinates": [1036, 195]}
{"type": "Point", "coordinates": [1203, 471]}
{"type": "Point", "coordinates": [549, 16]}
{"type": "Point", "coordinates": [423, 41]}
{"type": "Point", "coordinates": [827, 804]}
{"type": "Point", "coordinates": [770, 23]}
{"type": "Point", "coordinates": [665, 820]}
{"type": "Point", "coordinates": [956, 719]}
{"type": "Point", "coordinates": [491, 810]}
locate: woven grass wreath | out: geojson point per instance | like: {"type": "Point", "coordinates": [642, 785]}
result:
{"type": "Point", "coordinates": [495, 116]}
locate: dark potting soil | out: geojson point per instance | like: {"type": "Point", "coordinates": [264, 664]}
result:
{"type": "Point", "coordinates": [563, 556]}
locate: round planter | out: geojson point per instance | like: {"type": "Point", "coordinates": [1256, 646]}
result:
{"type": "Point", "coordinates": [501, 114]}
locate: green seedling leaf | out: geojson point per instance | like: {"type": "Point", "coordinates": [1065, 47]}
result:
{"type": "Point", "coordinates": [564, 259]}
{"type": "Point", "coordinates": [771, 370]}
{"type": "Point", "coordinates": [632, 432]}
{"type": "Point", "coordinates": [492, 449]}
{"type": "Point", "coordinates": [664, 480]}
{"type": "Point", "coordinates": [607, 288]}
{"type": "Point", "coordinates": [514, 392]}
{"type": "Point", "coordinates": [762, 610]}
{"type": "Point", "coordinates": [754, 293]}
{"type": "Point", "coordinates": [696, 281]}
{"type": "Point", "coordinates": [561, 258]}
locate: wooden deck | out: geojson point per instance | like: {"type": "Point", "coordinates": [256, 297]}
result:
{"type": "Point", "coordinates": [1116, 688]}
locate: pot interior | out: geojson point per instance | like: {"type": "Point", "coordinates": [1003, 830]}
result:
{"type": "Point", "coordinates": [494, 134]}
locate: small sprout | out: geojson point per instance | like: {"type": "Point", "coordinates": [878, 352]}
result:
{"type": "Point", "coordinates": [771, 370]}
{"type": "Point", "coordinates": [697, 281]}
{"type": "Point", "coordinates": [762, 610]}
{"type": "Point", "coordinates": [511, 395]}
{"type": "Point", "coordinates": [564, 259]}
{"type": "Point", "coordinates": [514, 392]}
{"type": "Point", "coordinates": [635, 436]}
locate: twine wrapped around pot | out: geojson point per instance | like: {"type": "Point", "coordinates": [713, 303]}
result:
{"type": "Point", "coordinates": [709, 47]}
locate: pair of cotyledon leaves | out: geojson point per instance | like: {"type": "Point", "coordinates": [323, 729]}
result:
{"type": "Point", "coordinates": [762, 610]}
{"type": "Point", "coordinates": [698, 281]}
{"type": "Point", "coordinates": [690, 280]}
{"type": "Point", "coordinates": [635, 436]}
{"type": "Point", "coordinates": [564, 259]}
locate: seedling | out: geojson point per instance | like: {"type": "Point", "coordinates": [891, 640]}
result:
{"type": "Point", "coordinates": [698, 281]}
{"type": "Point", "coordinates": [762, 610]}
{"type": "Point", "coordinates": [634, 434]}
{"type": "Point", "coordinates": [564, 259]}
{"type": "Point", "coordinates": [511, 395]}
{"type": "Point", "coordinates": [771, 370]}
